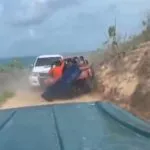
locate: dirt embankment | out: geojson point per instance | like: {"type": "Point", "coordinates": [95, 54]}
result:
{"type": "Point", "coordinates": [126, 80]}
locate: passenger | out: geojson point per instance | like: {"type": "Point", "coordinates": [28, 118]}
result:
{"type": "Point", "coordinates": [82, 61]}
{"type": "Point", "coordinates": [65, 66]}
{"type": "Point", "coordinates": [77, 59]}
{"type": "Point", "coordinates": [57, 70]}
{"type": "Point", "coordinates": [50, 80]}
{"type": "Point", "coordinates": [86, 62]}
{"type": "Point", "coordinates": [69, 62]}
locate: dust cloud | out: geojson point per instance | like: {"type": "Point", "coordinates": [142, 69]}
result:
{"type": "Point", "coordinates": [25, 96]}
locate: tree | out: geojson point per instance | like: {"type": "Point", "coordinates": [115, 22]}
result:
{"type": "Point", "coordinates": [146, 30]}
{"type": "Point", "coordinates": [146, 22]}
{"type": "Point", "coordinates": [112, 32]}
{"type": "Point", "coordinates": [113, 37]}
{"type": "Point", "coordinates": [15, 63]}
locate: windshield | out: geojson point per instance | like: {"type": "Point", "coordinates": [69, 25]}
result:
{"type": "Point", "coordinates": [46, 61]}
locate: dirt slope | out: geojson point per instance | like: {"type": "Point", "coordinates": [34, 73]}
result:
{"type": "Point", "coordinates": [126, 80]}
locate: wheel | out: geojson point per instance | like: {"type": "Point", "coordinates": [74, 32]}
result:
{"type": "Point", "coordinates": [88, 85]}
{"type": "Point", "coordinates": [46, 97]}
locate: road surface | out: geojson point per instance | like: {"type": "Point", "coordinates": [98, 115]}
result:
{"type": "Point", "coordinates": [80, 126]}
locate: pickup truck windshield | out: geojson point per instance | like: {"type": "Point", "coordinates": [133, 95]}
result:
{"type": "Point", "coordinates": [46, 61]}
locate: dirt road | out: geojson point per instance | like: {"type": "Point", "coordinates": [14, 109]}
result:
{"type": "Point", "coordinates": [29, 98]}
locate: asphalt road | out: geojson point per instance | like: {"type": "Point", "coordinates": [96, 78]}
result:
{"type": "Point", "coordinates": [76, 126]}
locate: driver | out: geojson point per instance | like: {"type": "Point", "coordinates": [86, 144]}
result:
{"type": "Point", "coordinates": [57, 70]}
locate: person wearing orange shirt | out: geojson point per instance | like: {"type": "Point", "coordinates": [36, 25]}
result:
{"type": "Point", "coordinates": [55, 72]}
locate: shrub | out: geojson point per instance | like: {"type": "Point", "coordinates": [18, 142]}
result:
{"type": "Point", "coordinates": [5, 95]}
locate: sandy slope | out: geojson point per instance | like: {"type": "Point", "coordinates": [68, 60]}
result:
{"type": "Point", "coordinates": [29, 98]}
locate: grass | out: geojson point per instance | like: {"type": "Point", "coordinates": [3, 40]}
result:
{"type": "Point", "coordinates": [9, 68]}
{"type": "Point", "coordinates": [13, 65]}
{"type": "Point", "coordinates": [107, 53]}
{"type": "Point", "coordinates": [6, 95]}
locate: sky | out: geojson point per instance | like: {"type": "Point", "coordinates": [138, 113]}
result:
{"type": "Point", "coordinates": [32, 27]}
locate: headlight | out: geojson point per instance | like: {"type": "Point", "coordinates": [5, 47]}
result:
{"type": "Point", "coordinates": [35, 74]}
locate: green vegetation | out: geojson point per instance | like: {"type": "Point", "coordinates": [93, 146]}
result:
{"type": "Point", "coordinates": [116, 46]}
{"type": "Point", "coordinates": [13, 65]}
{"type": "Point", "coordinates": [5, 95]}
{"type": "Point", "coordinates": [133, 41]}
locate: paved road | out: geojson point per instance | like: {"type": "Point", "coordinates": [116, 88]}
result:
{"type": "Point", "coordinates": [76, 126]}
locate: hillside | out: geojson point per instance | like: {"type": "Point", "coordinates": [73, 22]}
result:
{"type": "Point", "coordinates": [125, 80]}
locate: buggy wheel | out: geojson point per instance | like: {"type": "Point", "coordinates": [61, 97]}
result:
{"type": "Point", "coordinates": [46, 98]}
{"type": "Point", "coordinates": [88, 85]}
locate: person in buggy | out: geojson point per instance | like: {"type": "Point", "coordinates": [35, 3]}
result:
{"type": "Point", "coordinates": [59, 67]}
{"type": "Point", "coordinates": [56, 72]}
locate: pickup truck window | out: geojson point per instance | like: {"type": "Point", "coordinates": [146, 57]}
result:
{"type": "Point", "coordinates": [46, 61]}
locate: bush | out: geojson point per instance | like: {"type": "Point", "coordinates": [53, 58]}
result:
{"type": "Point", "coordinates": [5, 95]}
{"type": "Point", "coordinates": [115, 47]}
{"type": "Point", "coordinates": [13, 65]}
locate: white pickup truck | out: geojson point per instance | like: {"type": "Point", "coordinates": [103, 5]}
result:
{"type": "Point", "coordinates": [41, 67]}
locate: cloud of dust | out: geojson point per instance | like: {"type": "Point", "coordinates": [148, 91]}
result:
{"type": "Point", "coordinates": [14, 81]}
